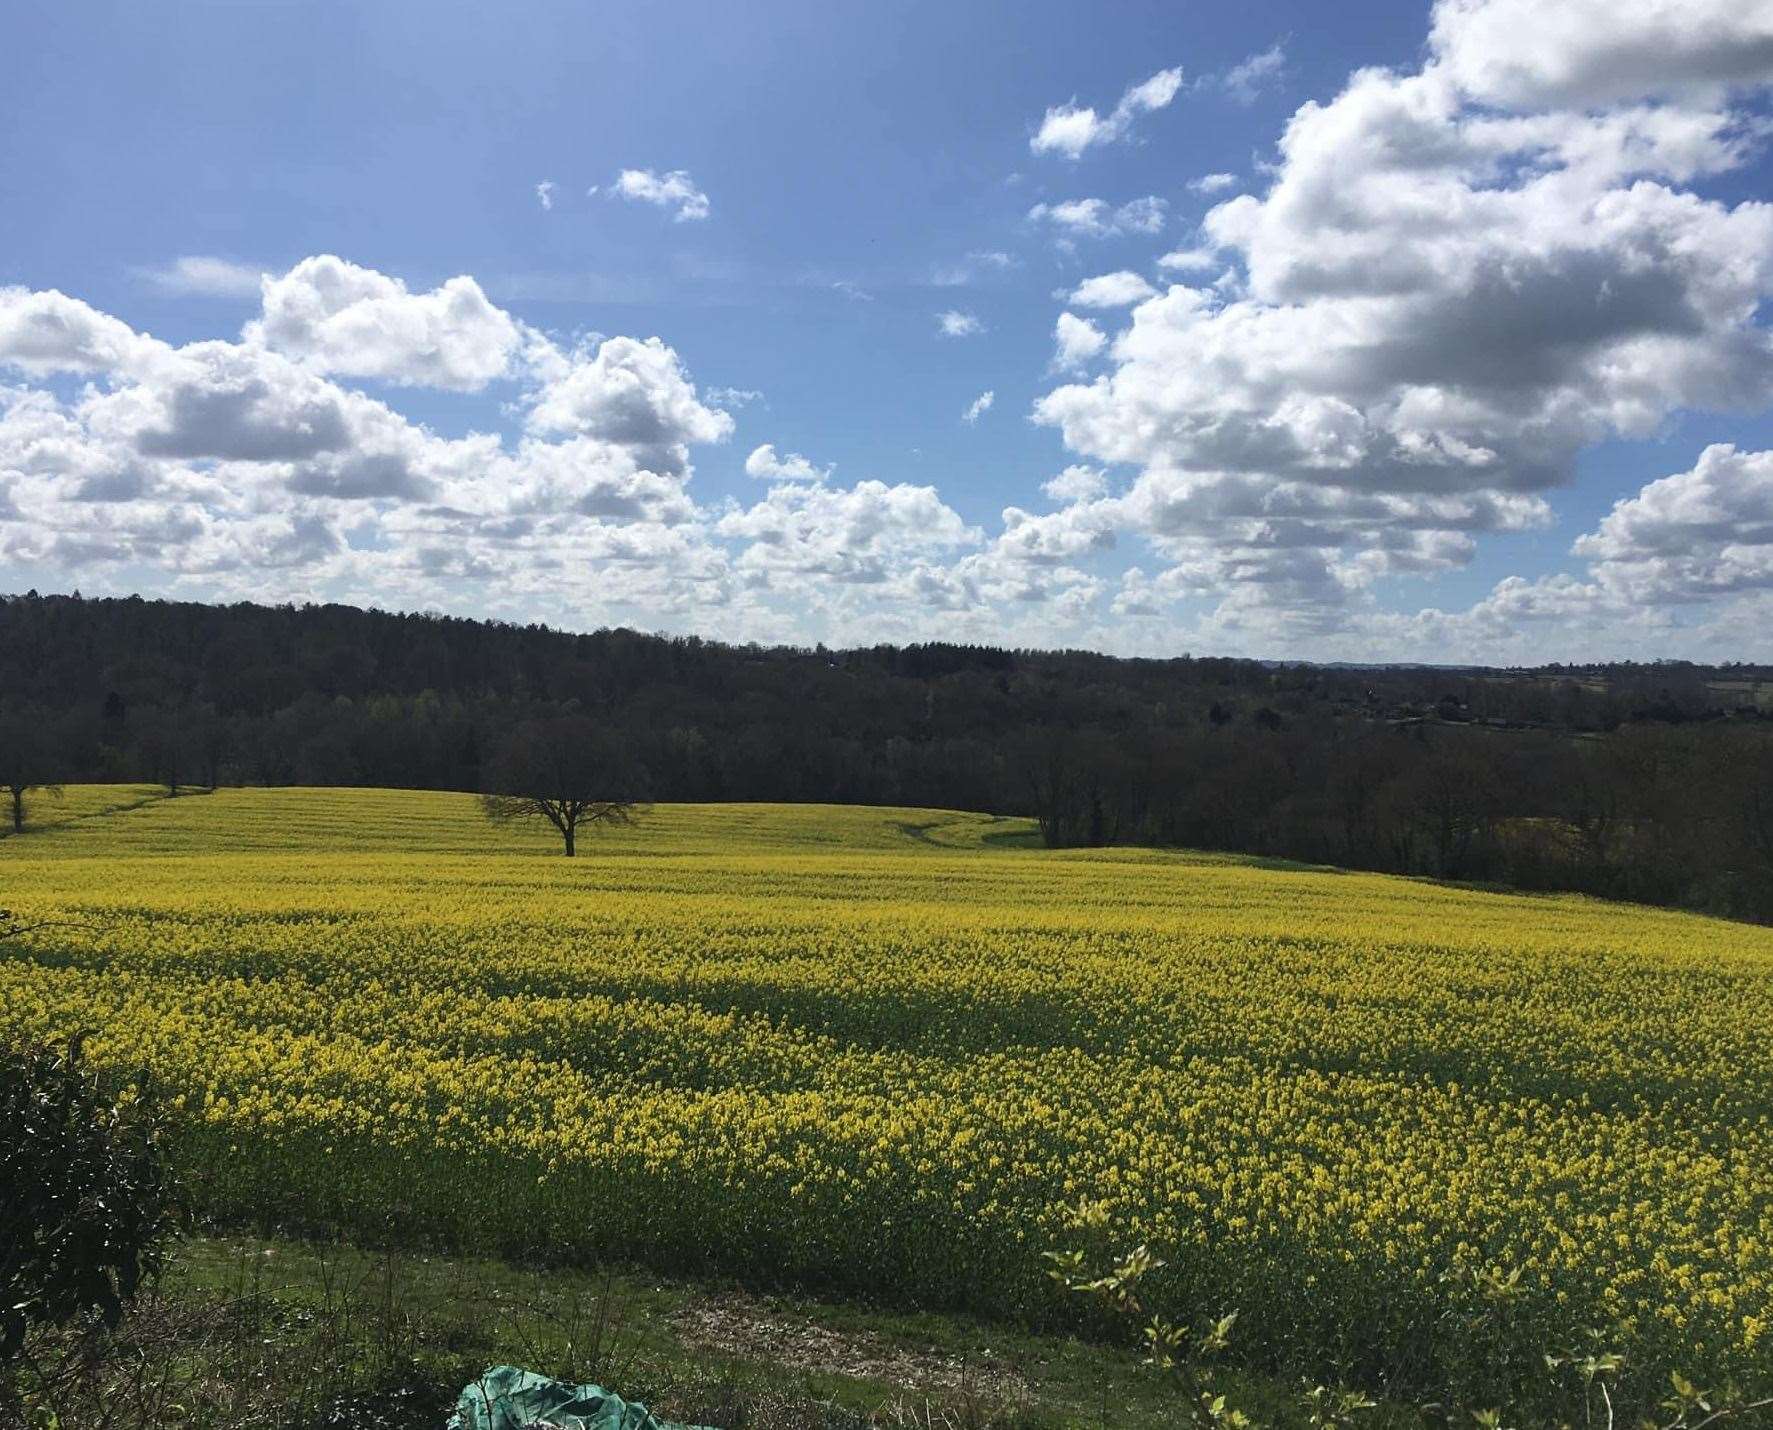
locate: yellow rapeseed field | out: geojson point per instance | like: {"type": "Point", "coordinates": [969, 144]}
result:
{"type": "Point", "coordinates": [882, 1051]}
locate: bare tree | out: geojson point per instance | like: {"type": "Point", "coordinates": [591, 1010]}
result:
{"type": "Point", "coordinates": [1450, 798]}
{"type": "Point", "coordinates": [1753, 776]}
{"type": "Point", "coordinates": [1050, 766]}
{"type": "Point", "coordinates": [567, 770]}
{"type": "Point", "coordinates": [25, 761]}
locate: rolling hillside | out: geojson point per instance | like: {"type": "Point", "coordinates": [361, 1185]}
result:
{"type": "Point", "coordinates": [886, 1052]}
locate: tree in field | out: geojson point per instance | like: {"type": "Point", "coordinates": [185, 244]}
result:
{"type": "Point", "coordinates": [163, 739]}
{"type": "Point", "coordinates": [567, 770]}
{"type": "Point", "coordinates": [1073, 782]}
{"type": "Point", "coordinates": [26, 761]}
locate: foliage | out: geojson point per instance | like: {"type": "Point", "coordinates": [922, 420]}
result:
{"type": "Point", "coordinates": [885, 1051]}
{"type": "Point", "coordinates": [85, 1204]}
{"type": "Point", "coordinates": [1173, 1349]}
{"type": "Point", "coordinates": [1645, 782]}
{"type": "Point", "coordinates": [1184, 1358]}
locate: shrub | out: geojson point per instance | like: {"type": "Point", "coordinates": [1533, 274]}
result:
{"type": "Point", "coordinates": [85, 1203]}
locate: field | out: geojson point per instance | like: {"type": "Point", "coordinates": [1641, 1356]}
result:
{"type": "Point", "coordinates": [878, 1053]}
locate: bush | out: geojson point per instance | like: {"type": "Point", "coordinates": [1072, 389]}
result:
{"type": "Point", "coordinates": [85, 1202]}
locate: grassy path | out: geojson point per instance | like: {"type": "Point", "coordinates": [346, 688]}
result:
{"type": "Point", "coordinates": [393, 1336]}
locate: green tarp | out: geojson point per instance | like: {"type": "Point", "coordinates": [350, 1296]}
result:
{"type": "Point", "coordinates": [506, 1398]}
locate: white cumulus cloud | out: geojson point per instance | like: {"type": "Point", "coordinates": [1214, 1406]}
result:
{"type": "Point", "coordinates": [1077, 483]}
{"type": "Point", "coordinates": [765, 465]}
{"type": "Point", "coordinates": [630, 392]}
{"type": "Point", "coordinates": [674, 190]}
{"type": "Point", "coordinates": [1069, 129]}
{"type": "Point", "coordinates": [1700, 533]}
{"type": "Point", "coordinates": [1112, 290]}
{"type": "Point", "coordinates": [44, 332]}
{"type": "Point", "coordinates": [1076, 341]}
{"type": "Point", "coordinates": [859, 535]}
{"type": "Point", "coordinates": [238, 469]}
{"type": "Point", "coordinates": [335, 317]}
{"type": "Point", "coordinates": [1581, 53]}
{"type": "Point", "coordinates": [1434, 307]}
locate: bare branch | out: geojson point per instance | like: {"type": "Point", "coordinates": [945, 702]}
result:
{"type": "Point", "coordinates": [567, 770]}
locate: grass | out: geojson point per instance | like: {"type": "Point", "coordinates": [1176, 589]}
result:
{"type": "Point", "coordinates": [46, 809]}
{"type": "Point", "coordinates": [312, 1332]}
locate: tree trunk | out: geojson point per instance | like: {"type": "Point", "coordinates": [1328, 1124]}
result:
{"type": "Point", "coordinates": [18, 809]}
{"type": "Point", "coordinates": [567, 834]}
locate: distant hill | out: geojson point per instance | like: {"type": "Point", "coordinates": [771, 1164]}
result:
{"type": "Point", "coordinates": [1323, 762]}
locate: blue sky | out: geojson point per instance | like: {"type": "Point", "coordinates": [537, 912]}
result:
{"type": "Point", "coordinates": [851, 173]}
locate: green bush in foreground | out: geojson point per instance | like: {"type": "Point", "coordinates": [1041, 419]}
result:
{"type": "Point", "coordinates": [85, 1208]}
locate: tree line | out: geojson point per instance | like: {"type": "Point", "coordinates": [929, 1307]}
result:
{"type": "Point", "coordinates": [1651, 782]}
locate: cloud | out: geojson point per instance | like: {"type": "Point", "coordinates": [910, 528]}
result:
{"type": "Point", "coordinates": [1701, 533]}
{"type": "Point", "coordinates": [334, 317]}
{"type": "Point", "coordinates": [632, 393]}
{"type": "Point", "coordinates": [1069, 130]}
{"type": "Point", "coordinates": [224, 402]}
{"type": "Point", "coordinates": [1248, 78]}
{"type": "Point", "coordinates": [978, 407]}
{"type": "Point", "coordinates": [956, 324]}
{"type": "Point", "coordinates": [1077, 483]}
{"type": "Point", "coordinates": [1451, 322]}
{"type": "Point", "coordinates": [1212, 183]}
{"type": "Point", "coordinates": [1054, 539]}
{"type": "Point", "coordinates": [232, 469]}
{"type": "Point", "coordinates": [764, 464]}
{"type": "Point", "coordinates": [1093, 218]}
{"type": "Point", "coordinates": [232, 463]}
{"type": "Point", "coordinates": [978, 264]}
{"type": "Point", "coordinates": [588, 477]}
{"type": "Point", "coordinates": [545, 192]}
{"type": "Point", "coordinates": [1069, 534]}
{"type": "Point", "coordinates": [1077, 341]}
{"type": "Point", "coordinates": [48, 332]}
{"type": "Point", "coordinates": [1583, 53]}
{"type": "Point", "coordinates": [1433, 308]}
{"type": "Point", "coordinates": [1190, 260]}
{"type": "Point", "coordinates": [1686, 563]}
{"type": "Point", "coordinates": [43, 443]}
{"type": "Point", "coordinates": [1264, 546]}
{"type": "Point", "coordinates": [1112, 290]}
{"type": "Point", "coordinates": [673, 190]}
{"type": "Point", "coordinates": [734, 396]}
{"type": "Point", "coordinates": [805, 529]}
{"type": "Point", "coordinates": [206, 277]}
